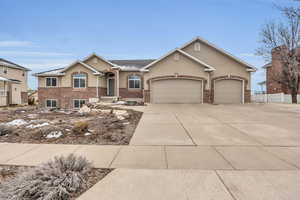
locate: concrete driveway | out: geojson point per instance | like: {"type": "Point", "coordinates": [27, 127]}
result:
{"type": "Point", "coordinates": [218, 125]}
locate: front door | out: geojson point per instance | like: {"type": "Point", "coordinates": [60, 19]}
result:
{"type": "Point", "coordinates": [111, 87]}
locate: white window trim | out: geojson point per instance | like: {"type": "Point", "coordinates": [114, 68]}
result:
{"type": "Point", "coordinates": [140, 79]}
{"type": "Point", "coordinates": [79, 84]}
{"type": "Point", "coordinates": [51, 103]}
{"type": "Point", "coordinates": [86, 101]}
{"type": "Point", "coordinates": [51, 82]}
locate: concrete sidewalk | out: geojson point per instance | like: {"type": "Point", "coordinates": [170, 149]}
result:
{"type": "Point", "coordinates": [159, 157]}
{"type": "Point", "coordinates": [123, 184]}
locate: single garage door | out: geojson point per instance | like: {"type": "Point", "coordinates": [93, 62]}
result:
{"type": "Point", "coordinates": [176, 91]}
{"type": "Point", "coordinates": [228, 91]}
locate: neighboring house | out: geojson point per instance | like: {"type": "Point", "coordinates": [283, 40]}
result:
{"type": "Point", "coordinates": [198, 72]}
{"type": "Point", "coordinates": [273, 70]}
{"type": "Point", "coordinates": [13, 83]}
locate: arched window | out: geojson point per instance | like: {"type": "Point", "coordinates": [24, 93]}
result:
{"type": "Point", "coordinates": [79, 80]}
{"type": "Point", "coordinates": [134, 82]}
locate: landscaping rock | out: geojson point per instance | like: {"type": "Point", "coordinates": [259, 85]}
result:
{"type": "Point", "coordinates": [84, 109]}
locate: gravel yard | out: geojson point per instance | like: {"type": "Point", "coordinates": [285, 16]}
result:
{"type": "Point", "coordinates": [93, 124]}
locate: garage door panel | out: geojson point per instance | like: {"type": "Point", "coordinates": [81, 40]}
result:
{"type": "Point", "coordinates": [228, 91]}
{"type": "Point", "coordinates": [176, 91]}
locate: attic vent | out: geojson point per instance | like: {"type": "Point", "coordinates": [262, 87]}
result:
{"type": "Point", "coordinates": [176, 56]}
{"type": "Point", "coordinates": [95, 60]}
{"type": "Point", "coordinates": [197, 46]}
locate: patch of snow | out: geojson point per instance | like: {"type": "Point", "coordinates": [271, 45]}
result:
{"type": "Point", "coordinates": [54, 134]}
{"type": "Point", "coordinates": [68, 130]}
{"type": "Point", "coordinates": [87, 134]}
{"type": "Point", "coordinates": [38, 125]}
{"type": "Point", "coordinates": [126, 123]}
{"type": "Point", "coordinates": [17, 122]}
{"type": "Point", "coordinates": [121, 102]}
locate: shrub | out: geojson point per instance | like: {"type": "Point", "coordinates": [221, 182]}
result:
{"type": "Point", "coordinates": [58, 179]}
{"type": "Point", "coordinates": [80, 127]}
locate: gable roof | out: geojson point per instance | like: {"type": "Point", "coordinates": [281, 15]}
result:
{"type": "Point", "coordinates": [101, 58]}
{"type": "Point", "coordinates": [209, 67]}
{"type": "Point", "coordinates": [252, 68]}
{"type": "Point", "coordinates": [83, 64]}
{"type": "Point", "coordinates": [7, 63]}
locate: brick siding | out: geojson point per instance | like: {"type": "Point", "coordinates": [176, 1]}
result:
{"type": "Point", "coordinates": [65, 95]}
{"type": "Point", "coordinates": [130, 93]}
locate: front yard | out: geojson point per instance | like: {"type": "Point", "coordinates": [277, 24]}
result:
{"type": "Point", "coordinates": [93, 124]}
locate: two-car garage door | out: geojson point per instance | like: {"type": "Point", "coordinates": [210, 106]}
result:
{"type": "Point", "coordinates": [176, 91]}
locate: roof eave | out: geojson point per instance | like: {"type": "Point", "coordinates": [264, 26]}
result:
{"type": "Point", "coordinates": [182, 52]}
{"type": "Point", "coordinates": [251, 70]}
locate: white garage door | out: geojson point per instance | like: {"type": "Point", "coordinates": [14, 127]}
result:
{"type": "Point", "coordinates": [228, 91]}
{"type": "Point", "coordinates": [176, 91]}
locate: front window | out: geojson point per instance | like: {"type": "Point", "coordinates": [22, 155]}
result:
{"type": "Point", "coordinates": [51, 82]}
{"type": "Point", "coordinates": [134, 82]}
{"type": "Point", "coordinates": [79, 81]}
{"type": "Point", "coordinates": [78, 103]}
{"type": "Point", "coordinates": [51, 103]}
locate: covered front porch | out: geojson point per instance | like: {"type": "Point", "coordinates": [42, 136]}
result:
{"type": "Point", "coordinates": [112, 84]}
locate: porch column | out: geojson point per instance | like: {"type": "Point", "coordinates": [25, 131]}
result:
{"type": "Point", "coordinates": [117, 83]}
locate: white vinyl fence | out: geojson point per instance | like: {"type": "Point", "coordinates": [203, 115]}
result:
{"type": "Point", "coordinates": [273, 98]}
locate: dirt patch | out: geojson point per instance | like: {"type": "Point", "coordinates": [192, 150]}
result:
{"type": "Point", "coordinates": [10, 171]}
{"type": "Point", "coordinates": [94, 124]}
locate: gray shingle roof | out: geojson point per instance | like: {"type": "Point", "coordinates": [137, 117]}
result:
{"type": "Point", "coordinates": [131, 65]}
{"type": "Point", "coordinates": [50, 72]}
{"type": "Point", "coordinates": [7, 63]}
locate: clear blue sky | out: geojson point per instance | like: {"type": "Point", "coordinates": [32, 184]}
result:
{"type": "Point", "coordinates": [43, 35]}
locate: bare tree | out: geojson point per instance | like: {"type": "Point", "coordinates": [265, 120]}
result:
{"type": "Point", "coordinates": [282, 40]}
